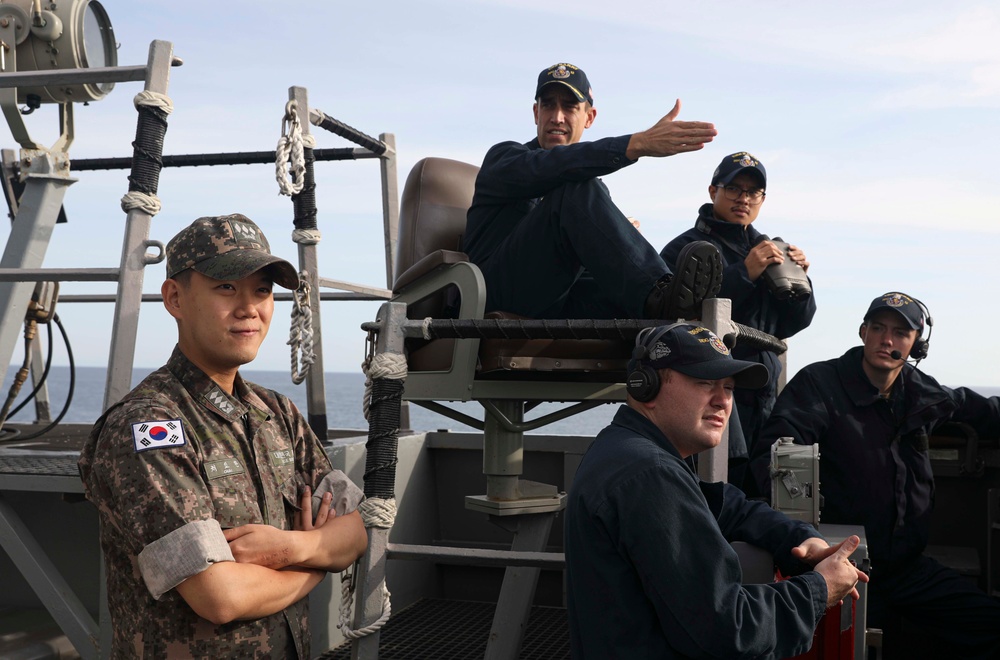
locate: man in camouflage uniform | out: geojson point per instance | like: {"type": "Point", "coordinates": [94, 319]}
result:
{"type": "Point", "coordinates": [205, 482]}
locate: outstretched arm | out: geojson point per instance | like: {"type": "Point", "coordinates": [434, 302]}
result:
{"type": "Point", "coordinates": [668, 137]}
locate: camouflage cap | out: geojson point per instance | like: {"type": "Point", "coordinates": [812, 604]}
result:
{"type": "Point", "coordinates": [226, 247]}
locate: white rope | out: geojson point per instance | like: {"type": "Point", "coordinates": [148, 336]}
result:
{"type": "Point", "coordinates": [155, 99]}
{"type": "Point", "coordinates": [346, 591]}
{"type": "Point", "coordinates": [381, 365]}
{"type": "Point", "coordinates": [300, 331]}
{"type": "Point", "coordinates": [425, 328]}
{"type": "Point", "coordinates": [149, 204]}
{"type": "Point", "coordinates": [375, 512]}
{"type": "Point", "coordinates": [290, 151]}
{"type": "Point", "coordinates": [307, 236]}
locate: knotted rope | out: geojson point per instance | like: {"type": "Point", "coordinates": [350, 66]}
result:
{"type": "Point", "coordinates": [381, 365]}
{"type": "Point", "coordinates": [300, 331]}
{"type": "Point", "coordinates": [375, 512]}
{"type": "Point", "coordinates": [290, 152]}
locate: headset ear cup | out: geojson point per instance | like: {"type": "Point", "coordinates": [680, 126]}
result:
{"type": "Point", "coordinates": [919, 350]}
{"type": "Point", "coordinates": [643, 383]}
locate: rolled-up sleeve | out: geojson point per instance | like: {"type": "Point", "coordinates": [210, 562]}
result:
{"type": "Point", "coordinates": [182, 553]}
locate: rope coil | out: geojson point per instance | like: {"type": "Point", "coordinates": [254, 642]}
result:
{"type": "Point", "coordinates": [290, 154]}
{"type": "Point", "coordinates": [346, 592]}
{"type": "Point", "coordinates": [375, 512]}
{"type": "Point", "coordinates": [300, 331]}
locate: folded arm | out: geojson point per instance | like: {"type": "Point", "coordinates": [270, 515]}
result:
{"type": "Point", "coordinates": [229, 591]}
{"type": "Point", "coordinates": [330, 543]}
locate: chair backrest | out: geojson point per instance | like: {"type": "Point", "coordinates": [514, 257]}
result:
{"type": "Point", "coordinates": [436, 198]}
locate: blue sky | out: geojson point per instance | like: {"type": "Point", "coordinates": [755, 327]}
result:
{"type": "Point", "coordinates": [878, 126]}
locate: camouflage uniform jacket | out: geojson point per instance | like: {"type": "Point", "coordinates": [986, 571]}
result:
{"type": "Point", "coordinates": [177, 451]}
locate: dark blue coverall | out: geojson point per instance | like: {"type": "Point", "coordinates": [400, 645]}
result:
{"type": "Point", "coordinates": [650, 571]}
{"type": "Point", "coordinates": [875, 471]}
{"type": "Point", "coordinates": [550, 242]}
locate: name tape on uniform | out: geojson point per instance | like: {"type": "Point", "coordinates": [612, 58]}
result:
{"type": "Point", "coordinates": [158, 434]}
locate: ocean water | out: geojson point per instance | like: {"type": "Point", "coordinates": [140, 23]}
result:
{"type": "Point", "coordinates": [344, 392]}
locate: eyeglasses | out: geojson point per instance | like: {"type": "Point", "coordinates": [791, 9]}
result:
{"type": "Point", "coordinates": [754, 195]}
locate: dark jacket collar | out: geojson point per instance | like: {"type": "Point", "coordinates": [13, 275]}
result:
{"type": "Point", "coordinates": [924, 398]}
{"type": "Point", "coordinates": [741, 235]}
{"type": "Point", "coordinates": [628, 418]}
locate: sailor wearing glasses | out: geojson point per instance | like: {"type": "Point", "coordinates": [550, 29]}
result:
{"type": "Point", "coordinates": [737, 190]}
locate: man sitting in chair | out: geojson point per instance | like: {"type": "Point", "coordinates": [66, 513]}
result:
{"type": "Point", "coordinates": [546, 235]}
{"type": "Point", "coordinates": [649, 569]}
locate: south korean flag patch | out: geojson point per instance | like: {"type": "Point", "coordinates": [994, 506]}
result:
{"type": "Point", "coordinates": [158, 434]}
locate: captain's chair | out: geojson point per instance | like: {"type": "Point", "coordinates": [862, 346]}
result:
{"type": "Point", "coordinates": [436, 280]}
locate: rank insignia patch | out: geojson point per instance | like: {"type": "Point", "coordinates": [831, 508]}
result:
{"type": "Point", "coordinates": [158, 434]}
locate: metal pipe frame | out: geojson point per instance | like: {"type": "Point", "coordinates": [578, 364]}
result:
{"type": "Point", "coordinates": [134, 258]}
{"type": "Point", "coordinates": [218, 159]}
{"type": "Point", "coordinates": [309, 262]}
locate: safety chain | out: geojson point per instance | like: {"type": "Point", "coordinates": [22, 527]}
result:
{"type": "Point", "coordinates": [300, 332]}
{"type": "Point", "coordinates": [290, 149]}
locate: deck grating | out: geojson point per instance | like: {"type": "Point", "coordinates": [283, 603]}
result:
{"type": "Point", "coordinates": [457, 630]}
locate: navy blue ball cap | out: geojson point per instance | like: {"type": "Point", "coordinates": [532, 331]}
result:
{"type": "Point", "coordinates": [734, 164]}
{"type": "Point", "coordinates": [570, 76]}
{"type": "Point", "coordinates": [697, 352]}
{"type": "Point", "coordinates": [902, 304]}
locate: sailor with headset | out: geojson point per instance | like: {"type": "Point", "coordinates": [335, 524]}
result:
{"type": "Point", "coordinates": [650, 572]}
{"type": "Point", "coordinates": [871, 412]}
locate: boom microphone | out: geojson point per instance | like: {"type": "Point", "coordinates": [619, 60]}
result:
{"type": "Point", "coordinates": [896, 355]}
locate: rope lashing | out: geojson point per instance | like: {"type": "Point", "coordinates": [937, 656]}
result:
{"type": "Point", "coordinates": [149, 204]}
{"type": "Point", "coordinates": [375, 512]}
{"type": "Point", "coordinates": [147, 161]}
{"type": "Point", "coordinates": [300, 331]}
{"type": "Point", "coordinates": [307, 236]}
{"type": "Point", "coordinates": [289, 153]}
{"type": "Point", "coordinates": [381, 365]}
{"type": "Point", "coordinates": [153, 99]}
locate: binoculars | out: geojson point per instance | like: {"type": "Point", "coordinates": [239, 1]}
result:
{"type": "Point", "coordinates": [787, 279]}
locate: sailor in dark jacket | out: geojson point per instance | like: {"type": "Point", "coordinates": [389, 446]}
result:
{"type": "Point", "coordinates": [650, 572]}
{"type": "Point", "coordinates": [871, 413]}
{"type": "Point", "coordinates": [738, 190]}
{"type": "Point", "coordinates": [546, 235]}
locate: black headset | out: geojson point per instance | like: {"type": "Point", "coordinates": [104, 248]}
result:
{"type": "Point", "coordinates": [642, 382]}
{"type": "Point", "coordinates": [922, 345]}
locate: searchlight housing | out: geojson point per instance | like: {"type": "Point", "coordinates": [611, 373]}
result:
{"type": "Point", "coordinates": [66, 34]}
